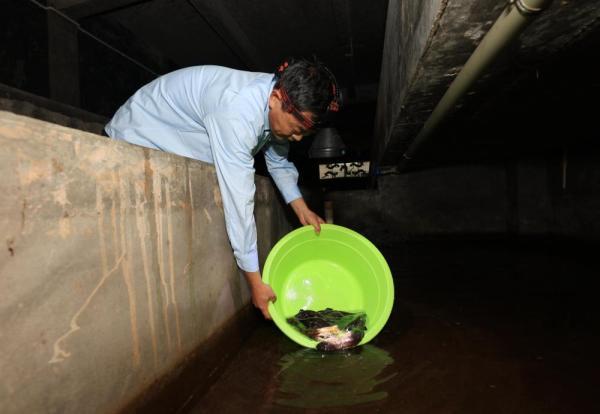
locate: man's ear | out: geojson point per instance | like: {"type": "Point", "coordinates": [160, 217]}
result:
{"type": "Point", "coordinates": [274, 98]}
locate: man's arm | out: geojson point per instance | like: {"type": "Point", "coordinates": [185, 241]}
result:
{"type": "Point", "coordinates": [285, 175]}
{"type": "Point", "coordinates": [235, 173]}
{"type": "Point", "coordinates": [306, 215]}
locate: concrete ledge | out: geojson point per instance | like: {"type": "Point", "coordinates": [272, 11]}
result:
{"type": "Point", "coordinates": [34, 106]}
{"type": "Point", "coordinates": [116, 266]}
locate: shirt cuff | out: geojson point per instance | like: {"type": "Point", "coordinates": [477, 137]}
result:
{"type": "Point", "coordinates": [248, 262]}
{"type": "Point", "coordinates": [290, 194]}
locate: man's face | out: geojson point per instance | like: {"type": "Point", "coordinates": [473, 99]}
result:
{"type": "Point", "coordinates": [285, 125]}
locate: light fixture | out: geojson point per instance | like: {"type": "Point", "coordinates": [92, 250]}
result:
{"type": "Point", "coordinates": [327, 143]}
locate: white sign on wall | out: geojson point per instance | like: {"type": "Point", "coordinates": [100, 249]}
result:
{"type": "Point", "coordinates": [344, 170]}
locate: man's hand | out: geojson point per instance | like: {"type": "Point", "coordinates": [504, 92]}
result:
{"type": "Point", "coordinates": [262, 293]}
{"type": "Point", "coordinates": [306, 215]}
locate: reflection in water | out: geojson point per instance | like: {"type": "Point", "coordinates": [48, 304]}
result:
{"type": "Point", "coordinates": [312, 379]}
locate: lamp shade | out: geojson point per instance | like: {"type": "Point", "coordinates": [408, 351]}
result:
{"type": "Point", "coordinates": [327, 144]}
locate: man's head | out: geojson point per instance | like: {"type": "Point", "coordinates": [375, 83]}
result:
{"type": "Point", "coordinates": [305, 93]}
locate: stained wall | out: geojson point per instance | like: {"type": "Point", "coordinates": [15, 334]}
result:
{"type": "Point", "coordinates": [116, 266]}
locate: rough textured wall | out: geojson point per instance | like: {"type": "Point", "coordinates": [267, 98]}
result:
{"type": "Point", "coordinates": [115, 265]}
{"type": "Point", "coordinates": [408, 29]}
{"type": "Point", "coordinates": [431, 203]}
{"type": "Point", "coordinates": [557, 197]}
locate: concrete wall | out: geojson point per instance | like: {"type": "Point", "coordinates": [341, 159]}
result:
{"type": "Point", "coordinates": [559, 196]}
{"type": "Point", "coordinates": [407, 30]}
{"type": "Point", "coordinates": [115, 266]}
{"type": "Point", "coordinates": [430, 203]}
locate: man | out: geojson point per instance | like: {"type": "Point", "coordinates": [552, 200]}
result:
{"type": "Point", "coordinates": [224, 117]}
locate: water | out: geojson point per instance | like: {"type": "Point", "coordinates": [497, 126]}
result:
{"type": "Point", "coordinates": [477, 327]}
{"type": "Point", "coordinates": [311, 379]}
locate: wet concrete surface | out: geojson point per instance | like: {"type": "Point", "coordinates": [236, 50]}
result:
{"type": "Point", "coordinates": [477, 327]}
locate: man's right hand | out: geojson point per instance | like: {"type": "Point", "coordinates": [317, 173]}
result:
{"type": "Point", "coordinates": [262, 293]}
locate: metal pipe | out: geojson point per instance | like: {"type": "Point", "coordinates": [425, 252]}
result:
{"type": "Point", "coordinates": [512, 21]}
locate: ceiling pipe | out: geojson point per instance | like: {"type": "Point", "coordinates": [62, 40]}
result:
{"type": "Point", "coordinates": [512, 21]}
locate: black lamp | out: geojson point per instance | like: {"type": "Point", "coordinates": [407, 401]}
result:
{"type": "Point", "coordinates": [327, 144]}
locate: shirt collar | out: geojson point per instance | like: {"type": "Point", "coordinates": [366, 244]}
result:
{"type": "Point", "coordinates": [266, 112]}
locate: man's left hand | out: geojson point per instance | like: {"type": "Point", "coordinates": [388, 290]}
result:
{"type": "Point", "coordinates": [306, 215]}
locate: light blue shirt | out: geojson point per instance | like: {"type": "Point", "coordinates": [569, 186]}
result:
{"type": "Point", "coordinates": [216, 115]}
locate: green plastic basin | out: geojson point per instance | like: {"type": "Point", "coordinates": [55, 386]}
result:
{"type": "Point", "coordinates": [338, 269]}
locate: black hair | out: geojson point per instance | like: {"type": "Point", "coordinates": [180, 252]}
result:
{"type": "Point", "coordinates": [311, 86]}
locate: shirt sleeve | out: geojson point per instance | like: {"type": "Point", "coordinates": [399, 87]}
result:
{"type": "Point", "coordinates": [284, 172]}
{"type": "Point", "coordinates": [234, 164]}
